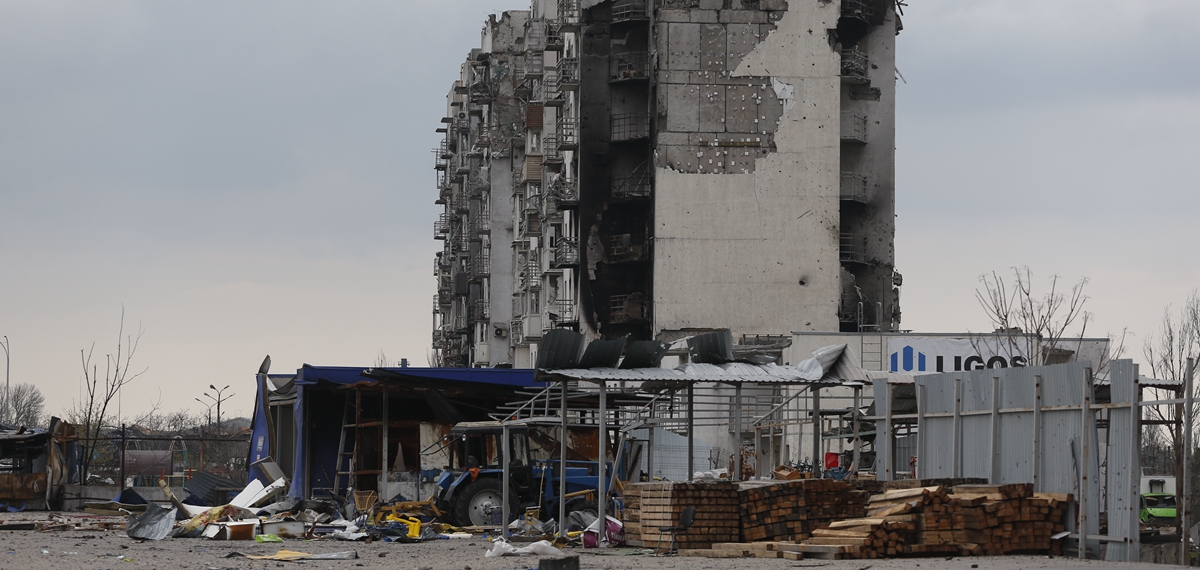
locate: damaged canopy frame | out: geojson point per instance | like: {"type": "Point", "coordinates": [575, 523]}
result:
{"type": "Point", "coordinates": [712, 362]}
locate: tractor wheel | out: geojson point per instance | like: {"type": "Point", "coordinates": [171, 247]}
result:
{"type": "Point", "coordinates": [475, 503]}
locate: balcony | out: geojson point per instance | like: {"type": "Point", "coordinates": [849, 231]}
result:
{"type": "Point", "coordinates": [531, 171]}
{"type": "Point", "coordinates": [530, 224]}
{"type": "Point", "coordinates": [852, 250]}
{"type": "Point", "coordinates": [567, 70]}
{"type": "Point", "coordinates": [624, 248]}
{"type": "Point", "coordinates": [630, 11]}
{"type": "Point", "coordinates": [481, 312]}
{"type": "Point", "coordinates": [854, 188]}
{"type": "Point", "coordinates": [551, 154]}
{"type": "Point", "coordinates": [535, 35]}
{"type": "Point", "coordinates": [481, 224]}
{"type": "Point", "coordinates": [629, 67]}
{"type": "Point", "coordinates": [567, 133]}
{"type": "Point", "coordinates": [552, 96]}
{"type": "Point", "coordinates": [554, 40]}
{"type": "Point", "coordinates": [854, 65]}
{"type": "Point", "coordinates": [626, 308]}
{"type": "Point", "coordinates": [861, 10]}
{"type": "Point", "coordinates": [564, 193]}
{"type": "Point", "coordinates": [854, 127]}
{"type": "Point", "coordinates": [562, 312]}
{"type": "Point", "coordinates": [441, 226]}
{"type": "Point", "coordinates": [481, 266]}
{"type": "Point", "coordinates": [534, 65]}
{"type": "Point", "coordinates": [568, 15]}
{"type": "Point", "coordinates": [532, 327]}
{"type": "Point", "coordinates": [531, 275]}
{"type": "Point", "coordinates": [566, 254]}
{"type": "Point", "coordinates": [629, 127]}
{"type": "Point", "coordinates": [632, 187]}
{"type": "Point", "coordinates": [516, 331]}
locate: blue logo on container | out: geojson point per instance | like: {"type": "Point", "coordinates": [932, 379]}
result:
{"type": "Point", "coordinates": [903, 360]}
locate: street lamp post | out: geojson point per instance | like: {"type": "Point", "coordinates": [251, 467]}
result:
{"type": "Point", "coordinates": [7, 364]}
{"type": "Point", "coordinates": [217, 400]}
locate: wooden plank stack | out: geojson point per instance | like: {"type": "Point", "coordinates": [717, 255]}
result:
{"type": "Point", "coordinates": [976, 519]}
{"type": "Point", "coordinates": [860, 538]}
{"type": "Point", "coordinates": [792, 510]}
{"type": "Point", "coordinates": [1011, 518]}
{"type": "Point", "coordinates": [716, 503]}
{"type": "Point", "coordinates": [631, 497]}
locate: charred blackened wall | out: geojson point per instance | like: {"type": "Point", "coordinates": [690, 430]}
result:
{"type": "Point", "coordinates": [616, 210]}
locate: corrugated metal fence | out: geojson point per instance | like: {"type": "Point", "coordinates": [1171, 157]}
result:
{"type": "Point", "coordinates": [1022, 425]}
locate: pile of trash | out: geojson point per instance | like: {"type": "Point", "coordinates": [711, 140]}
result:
{"type": "Point", "coordinates": [247, 517]}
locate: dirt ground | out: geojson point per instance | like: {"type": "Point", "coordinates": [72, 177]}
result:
{"type": "Point", "coordinates": [34, 550]}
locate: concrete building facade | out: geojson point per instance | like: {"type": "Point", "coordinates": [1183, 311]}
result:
{"type": "Point", "coordinates": [657, 168]}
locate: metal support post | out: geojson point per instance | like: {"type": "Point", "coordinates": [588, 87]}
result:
{"type": "Point", "coordinates": [920, 467]}
{"type": "Point", "coordinates": [562, 466]}
{"type": "Point", "coordinates": [601, 494]}
{"type": "Point", "coordinates": [386, 465]}
{"type": "Point", "coordinates": [857, 443]}
{"type": "Point", "coordinates": [1037, 431]}
{"type": "Point", "coordinates": [888, 435]}
{"type": "Point", "coordinates": [1188, 416]}
{"type": "Point", "coordinates": [956, 434]}
{"type": "Point", "coordinates": [737, 432]}
{"type": "Point", "coordinates": [1133, 552]}
{"type": "Point", "coordinates": [1085, 462]}
{"type": "Point", "coordinates": [994, 440]}
{"type": "Point", "coordinates": [649, 449]}
{"type": "Point", "coordinates": [505, 462]}
{"type": "Point", "coordinates": [691, 429]}
{"type": "Point", "coordinates": [123, 444]}
{"type": "Point", "coordinates": [818, 459]}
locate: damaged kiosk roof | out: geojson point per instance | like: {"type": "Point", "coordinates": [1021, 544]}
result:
{"type": "Point", "coordinates": [712, 361]}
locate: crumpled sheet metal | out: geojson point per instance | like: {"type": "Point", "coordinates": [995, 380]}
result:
{"type": "Point", "coordinates": [155, 523]}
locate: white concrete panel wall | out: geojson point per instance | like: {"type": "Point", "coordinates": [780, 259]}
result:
{"type": "Point", "coordinates": [758, 252]}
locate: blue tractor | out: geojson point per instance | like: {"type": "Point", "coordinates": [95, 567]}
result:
{"type": "Point", "coordinates": [470, 486]}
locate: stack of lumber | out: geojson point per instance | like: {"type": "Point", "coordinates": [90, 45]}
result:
{"type": "Point", "coordinates": [716, 503]}
{"type": "Point", "coordinates": [939, 518]}
{"type": "Point", "coordinates": [631, 497]}
{"type": "Point", "coordinates": [860, 538]}
{"type": "Point", "coordinates": [792, 510]}
{"type": "Point", "coordinates": [1000, 519]}
{"type": "Point", "coordinates": [975, 519]}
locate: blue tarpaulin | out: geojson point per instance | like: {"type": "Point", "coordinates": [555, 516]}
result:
{"type": "Point", "coordinates": [317, 428]}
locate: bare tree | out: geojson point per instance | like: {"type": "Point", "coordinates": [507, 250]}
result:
{"type": "Point", "coordinates": [1167, 353]}
{"type": "Point", "coordinates": [91, 415]}
{"type": "Point", "coordinates": [381, 360]}
{"type": "Point", "coordinates": [1018, 313]}
{"type": "Point", "coordinates": [28, 405]}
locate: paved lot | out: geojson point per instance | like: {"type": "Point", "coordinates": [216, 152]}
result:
{"type": "Point", "coordinates": [56, 550]}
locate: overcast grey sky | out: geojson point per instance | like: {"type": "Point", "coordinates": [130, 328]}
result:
{"type": "Point", "coordinates": [253, 178]}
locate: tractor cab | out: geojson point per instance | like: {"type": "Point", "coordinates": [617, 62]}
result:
{"type": "Point", "coordinates": [471, 484]}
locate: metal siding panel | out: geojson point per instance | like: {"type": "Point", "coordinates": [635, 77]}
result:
{"type": "Point", "coordinates": [1123, 466]}
{"type": "Point", "coordinates": [882, 438]}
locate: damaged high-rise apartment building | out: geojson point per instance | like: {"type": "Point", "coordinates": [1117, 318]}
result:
{"type": "Point", "coordinates": [661, 167]}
